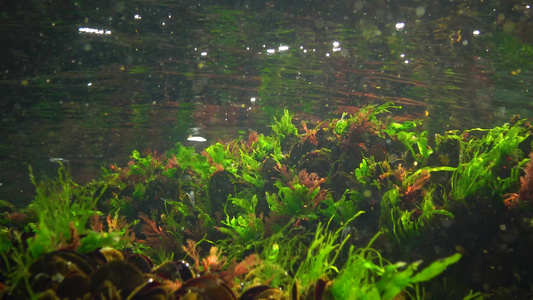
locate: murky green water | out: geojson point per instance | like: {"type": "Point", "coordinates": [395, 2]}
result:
{"type": "Point", "coordinates": [89, 82]}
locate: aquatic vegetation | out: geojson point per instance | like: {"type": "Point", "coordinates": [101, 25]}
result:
{"type": "Point", "coordinates": [525, 193]}
{"type": "Point", "coordinates": [526, 182]}
{"type": "Point", "coordinates": [322, 254]}
{"type": "Point", "coordinates": [482, 158]}
{"type": "Point", "coordinates": [158, 239]}
{"type": "Point", "coordinates": [245, 230]}
{"type": "Point", "coordinates": [62, 210]}
{"type": "Point", "coordinates": [325, 206]}
{"type": "Point", "coordinates": [16, 263]}
{"type": "Point", "coordinates": [407, 223]}
{"type": "Point", "coordinates": [366, 118]}
{"type": "Point", "coordinates": [367, 275]}
{"type": "Point", "coordinates": [284, 128]}
{"type": "Point", "coordinates": [416, 143]}
{"type": "Point", "coordinates": [296, 196]}
{"type": "Point", "coordinates": [366, 172]}
{"type": "Point", "coordinates": [421, 140]}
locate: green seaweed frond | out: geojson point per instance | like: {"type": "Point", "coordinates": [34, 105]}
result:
{"type": "Point", "coordinates": [366, 170]}
{"type": "Point", "coordinates": [410, 139]}
{"type": "Point", "coordinates": [482, 156]}
{"type": "Point", "coordinates": [357, 277]}
{"type": "Point", "coordinates": [322, 254]}
{"type": "Point", "coordinates": [393, 281]}
{"type": "Point", "coordinates": [144, 166]}
{"type": "Point", "coordinates": [61, 207]}
{"type": "Point", "coordinates": [218, 154]}
{"type": "Point", "coordinates": [366, 275]}
{"type": "Point", "coordinates": [187, 158]}
{"type": "Point", "coordinates": [16, 267]}
{"type": "Point", "coordinates": [284, 127]}
{"type": "Point", "coordinates": [245, 230]}
{"type": "Point", "coordinates": [371, 111]}
{"type": "Point", "coordinates": [341, 125]}
{"type": "Point", "coordinates": [366, 116]}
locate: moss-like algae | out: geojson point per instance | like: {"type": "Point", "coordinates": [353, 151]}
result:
{"type": "Point", "coordinates": [267, 195]}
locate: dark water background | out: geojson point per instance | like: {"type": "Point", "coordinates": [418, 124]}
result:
{"type": "Point", "coordinates": [90, 81]}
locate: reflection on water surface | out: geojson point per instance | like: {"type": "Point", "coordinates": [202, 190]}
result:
{"type": "Point", "coordinates": [89, 82]}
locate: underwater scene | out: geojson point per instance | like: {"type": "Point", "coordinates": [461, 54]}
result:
{"type": "Point", "coordinates": [241, 149]}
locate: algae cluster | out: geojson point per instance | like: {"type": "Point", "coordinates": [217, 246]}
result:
{"type": "Point", "coordinates": [357, 207]}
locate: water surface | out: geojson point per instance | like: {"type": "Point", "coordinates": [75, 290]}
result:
{"type": "Point", "coordinates": [88, 82]}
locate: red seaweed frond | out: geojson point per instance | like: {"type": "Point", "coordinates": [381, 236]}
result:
{"type": "Point", "coordinates": [214, 262]}
{"type": "Point", "coordinates": [246, 265]}
{"type": "Point", "coordinates": [525, 194]}
{"type": "Point", "coordinates": [192, 251]}
{"type": "Point", "coordinates": [73, 243]}
{"type": "Point", "coordinates": [413, 191]}
{"type": "Point", "coordinates": [235, 269]}
{"type": "Point", "coordinates": [248, 146]}
{"type": "Point", "coordinates": [526, 182]}
{"type": "Point", "coordinates": [320, 196]}
{"type": "Point", "coordinates": [149, 227]}
{"type": "Point", "coordinates": [511, 200]}
{"type": "Point", "coordinates": [119, 225]}
{"type": "Point", "coordinates": [310, 134]}
{"type": "Point", "coordinates": [211, 162]}
{"type": "Point", "coordinates": [399, 173]}
{"type": "Point", "coordinates": [311, 181]}
{"type": "Point", "coordinates": [95, 223]}
{"type": "Point", "coordinates": [116, 223]}
{"type": "Point", "coordinates": [253, 138]}
{"type": "Point", "coordinates": [172, 163]}
{"type": "Point", "coordinates": [156, 237]}
{"type": "Point", "coordinates": [285, 172]}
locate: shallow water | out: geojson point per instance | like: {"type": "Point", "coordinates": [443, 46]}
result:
{"type": "Point", "coordinates": [89, 82]}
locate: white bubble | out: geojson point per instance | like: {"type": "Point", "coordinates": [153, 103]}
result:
{"type": "Point", "coordinates": [196, 139]}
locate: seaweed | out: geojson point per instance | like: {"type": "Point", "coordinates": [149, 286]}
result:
{"type": "Point", "coordinates": [284, 128]}
{"type": "Point", "coordinates": [478, 168]}
{"type": "Point", "coordinates": [409, 139]}
{"type": "Point", "coordinates": [62, 209]}
{"type": "Point", "coordinates": [16, 266]}
{"type": "Point", "coordinates": [525, 193]}
{"type": "Point", "coordinates": [296, 196]}
{"type": "Point", "coordinates": [366, 171]}
{"type": "Point", "coordinates": [366, 275]}
{"type": "Point", "coordinates": [322, 254]}
{"type": "Point", "coordinates": [312, 205]}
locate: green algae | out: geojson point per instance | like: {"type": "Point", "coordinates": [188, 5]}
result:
{"type": "Point", "coordinates": [267, 195]}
